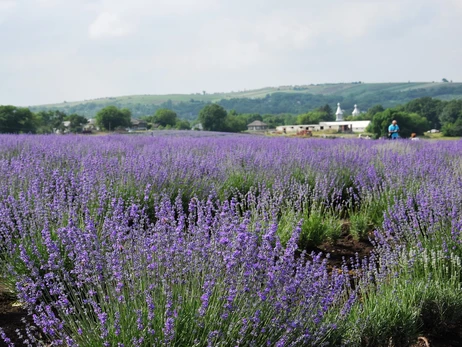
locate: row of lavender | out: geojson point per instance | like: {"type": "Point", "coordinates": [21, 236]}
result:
{"type": "Point", "coordinates": [185, 241]}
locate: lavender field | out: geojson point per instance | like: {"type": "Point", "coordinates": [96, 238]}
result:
{"type": "Point", "coordinates": [215, 241]}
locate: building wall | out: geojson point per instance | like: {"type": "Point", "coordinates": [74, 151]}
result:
{"type": "Point", "coordinates": [291, 129]}
{"type": "Point", "coordinates": [296, 128]}
{"type": "Point", "coordinates": [257, 128]}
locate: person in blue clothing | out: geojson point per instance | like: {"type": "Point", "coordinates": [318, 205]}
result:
{"type": "Point", "coordinates": [393, 130]}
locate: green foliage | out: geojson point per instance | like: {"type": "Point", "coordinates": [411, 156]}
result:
{"type": "Point", "coordinates": [426, 107]}
{"type": "Point", "coordinates": [427, 294]}
{"type": "Point", "coordinates": [327, 110]}
{"type": "Point", "coordinates": [249, 117]}
{"type": "Point", "coordinates": [408, 123]}
{"type": "Point", "coordinates": [77, 122]}
{"type": "Point", "coordinates": [360, 225]}
{"type": "Point", "coordinates": [213, 118]}
{"type": "Point", "coordinates": [374, 110]}
{"type": "Point", "coordinates": [239, 182]}
{"type": "Point", "coordinates": [50, 121]}
{"type": "Point", "coordinates": [236, 123]}
{"type": "Point", "coordinates": [182, 124]}
{"type": "Point", "coordinates": [387, 315]}
{"type": "Point", "coordinates": [275, 120]}
{"type": "Point", "coordinates": [452, 129]}
{"type": "Point", "coordinates": [111, 117]}
{"type": "Point", "coordinates": [321, 114]}
{"type": "Point", "coordinates": [318, 227]}
{"type": "Point", "coordinates": [17, 120]}
{"type": "Point", "coordinates": [165, 117]}
{"type": "Point", "coordinates": [451, 112]}
{"type": "Point", "coordinates": [313, 117]}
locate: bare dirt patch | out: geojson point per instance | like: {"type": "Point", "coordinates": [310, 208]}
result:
{"type": "Point", "coordinates": [11, 318]}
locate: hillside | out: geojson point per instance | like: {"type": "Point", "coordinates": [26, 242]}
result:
{"type": "Point", "coordinates": [271, 100]}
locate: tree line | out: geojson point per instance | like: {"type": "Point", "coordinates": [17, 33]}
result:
{"type": "Point", "coordinates": [22, 120]}
{"type": "Point", "coordinates": [418, 116]}
{"type": "Point", "coordinates": [16, 120]}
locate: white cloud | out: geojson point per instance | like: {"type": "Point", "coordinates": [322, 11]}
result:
{"type": "Point", "coordinates": [109, 25]}
{"type": "Point", "coordinates": [157, 7]}
{"type": "Point", "coordinates": [229, 55]}
{"type": "Point", "coordinates": [49, 3]}
{"type": "Point", "coordinates": [118, 18]}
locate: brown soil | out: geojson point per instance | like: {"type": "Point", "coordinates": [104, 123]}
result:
{"type": "Point", "coordinates": [452, 339]}
{"type": "Point", "coordinates": [11, 317]}
{"type": "Point", "coordinates": [442, 334]}
{"type": "Point", "coordinates": [344, 248]}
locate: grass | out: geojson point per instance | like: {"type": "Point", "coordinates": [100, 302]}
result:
{"type": "Point", "coordinates": [439, 136]}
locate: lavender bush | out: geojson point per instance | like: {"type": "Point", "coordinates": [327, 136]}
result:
{"type": "Point", "coordinates": [125, 241]}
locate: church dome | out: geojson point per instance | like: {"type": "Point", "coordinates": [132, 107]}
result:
{"type": "Point", "coordinates": [339, 113]}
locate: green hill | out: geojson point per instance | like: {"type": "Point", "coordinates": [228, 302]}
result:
{"type": "Point", "coordinates": [271, 100]}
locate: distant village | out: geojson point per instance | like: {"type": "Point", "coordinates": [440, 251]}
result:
{"type": "Point", "coordinates": [339, 125]}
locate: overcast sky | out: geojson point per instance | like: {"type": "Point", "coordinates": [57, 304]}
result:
{"type": "Point", "coordinates": [56, 50]}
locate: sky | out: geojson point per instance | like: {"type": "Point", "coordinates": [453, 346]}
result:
{"type": "Point", "coordinates": [68, 50]}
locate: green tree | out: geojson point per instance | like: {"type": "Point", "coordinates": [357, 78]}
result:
{"type": "Point", "coordinates": [314, 117]}
{"type": "Point", "coordinates": [426, 107]}
{"type": "Point", "coordinates": [452, 129]}
{"type": "Point", "coordinates": [183, 124]}
{"type": "Point", "coordinates": [165, 117]}
{"type": "Point", "coordinates": [373, 111]}
{"type": "Point", "coordinates": [49, 121]}
{"type": "Point", "coordinates": [213, 118]}
{"type": "Point", "coordinates": [273, 120]}
{"type": "Point", "coordinates": [77, 122]}
{"type": "Point", "coordinates": [451, 112]}
{"type": "Point", "coordinates": [237, 123]}
{"type": "Point", "coordinates": [408, 123]}
{"type": "Point", "coordinates": [252, 117]}
{"type": "Point", "coordinates": [327, 110]}
{"type": "Point", "coordinates": [17, 120]}
{"type": "Point", "coordinates": [111, 117]}
{"type": "Point", "coordinates": [127, 113]}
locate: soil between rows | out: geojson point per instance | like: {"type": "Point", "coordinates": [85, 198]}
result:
{"type": "Point", "coordinates": [11, 317]}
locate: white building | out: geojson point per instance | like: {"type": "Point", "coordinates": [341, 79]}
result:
{"type": "Point", "coordinates": [293, 129]}
{"type": "Point", "coordinates": [358, 126]}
